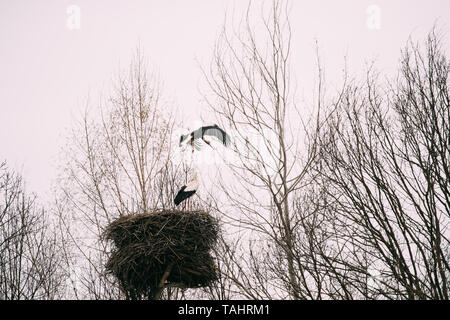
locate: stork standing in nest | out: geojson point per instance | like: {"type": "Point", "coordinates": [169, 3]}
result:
{"type": "Point", "coordinates": [187, 191]}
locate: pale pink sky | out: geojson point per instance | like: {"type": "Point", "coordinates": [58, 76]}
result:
{"type": "Point", "coordinates": [48, 70]}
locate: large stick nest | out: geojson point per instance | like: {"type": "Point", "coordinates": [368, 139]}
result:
{"type": "Point", "coordinates": [146, 246]}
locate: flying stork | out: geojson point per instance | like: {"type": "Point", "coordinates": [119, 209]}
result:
{"type": "Point", "coordinates": [205, 131]}
{"type": "Point", "coordinates": [187, 191]}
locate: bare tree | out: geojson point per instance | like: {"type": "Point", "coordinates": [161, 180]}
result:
{"type": "Point", "coordinates": [359, 210]}
{"type": "Point", "coordinates": [384, 174]}
{"type": "Point", "coordinates": [118, 163]}
{"type": "Point", "coordinates": [30, 263]}
{"type": "Point", "coordinates": [274, 147]}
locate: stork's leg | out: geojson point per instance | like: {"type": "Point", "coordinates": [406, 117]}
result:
{"type": "Point", "coordinates": [208, 143]}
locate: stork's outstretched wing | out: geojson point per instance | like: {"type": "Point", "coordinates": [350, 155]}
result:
{"type": "Point", "coordinates": [220, 134]}
{"type": "Point", "coordinates": [197, 145]}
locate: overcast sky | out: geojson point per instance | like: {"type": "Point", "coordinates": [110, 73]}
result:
{"type": "Point", "coordinates": [50, 60]}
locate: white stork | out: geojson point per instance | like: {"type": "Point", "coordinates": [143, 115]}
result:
{"type": "Point", "coordinates": [201, 132]}
{"type": "Point", "coordinates": [187, 191]}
